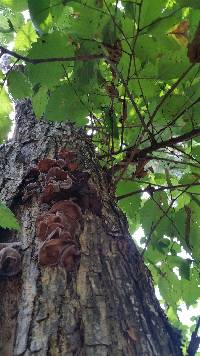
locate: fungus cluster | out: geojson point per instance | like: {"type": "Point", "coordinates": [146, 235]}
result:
{"type": "Point", "coordinates": [65, 194]}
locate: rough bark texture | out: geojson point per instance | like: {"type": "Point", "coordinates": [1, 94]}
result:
{"type": "Point", "coordinates": [107, 305]}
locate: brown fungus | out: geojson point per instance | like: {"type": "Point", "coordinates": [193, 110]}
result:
{"type": "Point", "coordinates": [68, 256]}
{"type": "Point", "coordinates": [44, 165]}
{"type": "Point", "coordinates": [50, 192]}
{"type": "Point", "coordinates": [67, 156]}
{"type": "Point", "coordinates": [68, 208]}
{"type": "Point", "coordinates": [57, 174]}
{"type": "Point", "coordinates": [49, 253]}
{"type": "Point", "coordinates": [10, 262]}
{"type": "Point", "coordinates": [68, 222]}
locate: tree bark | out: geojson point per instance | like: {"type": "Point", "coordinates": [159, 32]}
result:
{"type": "Point", "coordinates": [106, 306]}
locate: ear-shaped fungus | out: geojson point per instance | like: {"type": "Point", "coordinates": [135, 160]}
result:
{"type": "Point", "coordinates": [57, 174]}
{"type": "Point", "coordinates": [50, 251]}
{"type": "Point", "coordinates": [50, 192]}
{"type": "Point", "coordinates": [10, 261]}
{"type": "Point", "coordinates": [43, 222]}
{"type": "Point", "coordinates": [72, 166]}
{"type": "Point", "coordinates": [66, 155]}
{"type": "Point", "coordinates": [67, 257]}
{"type": "Point", "coordinates": [69, 223]}
{"type": "Point", "coordinates": [44, 165]}
{"type": "Point", "coordinates": [55, 190]}
{"type": "Point", "coordinates": [68, 208]}
{"type": "Point", "coordinates": [47, 223]}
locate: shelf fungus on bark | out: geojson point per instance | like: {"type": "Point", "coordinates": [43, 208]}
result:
{"type": "Point", "coordinates": [10, 262]}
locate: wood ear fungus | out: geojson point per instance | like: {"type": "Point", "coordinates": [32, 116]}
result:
{"type": "Point", "coordinates": [44, 165]}
{"type": "Point", "coordinates": [10, 262]}
{"type": "Point", "coordinates": [58, 252]}
{"type": "Point", "coordinates": [67, 156]}
{"type": "Point", "coordinates": [50, 251]}
{"type": "Point", "coordinates": [67, 257]}
{"type": "Point", "coordinates": [57, 174]}
{"type": "Point", "coordinates": [69, 208]}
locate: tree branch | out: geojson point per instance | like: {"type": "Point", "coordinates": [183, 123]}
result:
{"type": "Point", "coordinates": [170, 91]}
{"type": "Point", "coordinates": [84, 57]}
{"type": "Point", "coordinates": [168, 143]}
{"type": "Point", "coordinates": [195, 341]}
{"type": "Point", "coordinates": [155, 147]}
{"type": "Point", "coordinates": [132, 99]}
{"type": "Point", "coordinates": [152, 190]}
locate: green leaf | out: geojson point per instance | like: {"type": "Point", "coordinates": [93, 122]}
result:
{"type": "Point", "coordinates": [65, 105]}
{"type": "Point", "coordinates": [172, 64]}
{"type": "Point", "coordinates": [40, 15]}
{"type": "Point", "coordinates": [85, 72]}
{"type": "Point", "coordinates": [129, 205]}
{"type": "Point", "coordinates": [89, 15]}
{"type": "Point", "coordinates": [61, 15]}
{"type": "Point", "coordinates": [172, 106]}
{"type": "Point", "coordinates": [7, 218]}
{"type": "Point", "coordinates": [18, 5]}
{"type": "Point", "coordinates": [39, 101]}
{"type": "Point", "coordinates": [25, 37]}
{"type": "Point", "coordinates": [151, 11]}
{"type": "Point", "coordinates": [189, 3]}
{"type": "Point", "coordinates": [170, 288]}
{"type": "Point", "coordinates": [19, 86]}
{"type": "Point", "coordinates": [145, 82]}
{"type": "Point", "coordinates": [184, 269]}
{"type": "Point", "coordinates": [5, 125]}
{"type": "Point", "coordinates": [111, 122]}
{"type": "Point", "coordinates": [190, 288]}
{"type": "Point", "coordinates": [5, 110]}
{"type": "Point", "coordinates": [54, 45]}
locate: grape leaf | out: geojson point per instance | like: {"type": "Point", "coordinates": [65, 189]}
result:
{"type": "Point", "coordinates": [7, 218]}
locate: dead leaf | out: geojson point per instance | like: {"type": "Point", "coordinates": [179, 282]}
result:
{"type": "Point", "coordinates": [180, 33]}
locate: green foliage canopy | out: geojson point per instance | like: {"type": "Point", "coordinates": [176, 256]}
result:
{"type": "Point", "coordinates": [120, 69]}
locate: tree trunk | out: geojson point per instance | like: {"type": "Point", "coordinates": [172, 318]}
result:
{"type": "Point", "coordinates": [106, 304]}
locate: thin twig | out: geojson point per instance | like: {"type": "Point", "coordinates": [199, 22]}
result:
{"type": "Point", "coordinates": [154, 190]}
{"type": "Point", "coordinates": [167, 94]}
{"type": "Point", "coordinates": [155, 225]}
{"type": "Point", "coordinates": [195, 341]}
{"type": "Point", "coordinates": [84, 57]}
